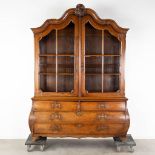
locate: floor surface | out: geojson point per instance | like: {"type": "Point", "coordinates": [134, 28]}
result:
{"type": "Point", "coordinates": [76, 147]}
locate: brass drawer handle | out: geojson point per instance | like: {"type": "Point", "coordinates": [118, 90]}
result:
{"type": "Point", "coordinates": [56, 116]}
{"type": "Point", "coordinates": [56, 105]}
{"type": "Point", "coordinates": [56, 128]}
{"type": "Point", "coordinates": [101, 117]}
{"type": "Point", "coordinates": [101, 106]}
{"type": "Point", "coordinates": [101, 128]}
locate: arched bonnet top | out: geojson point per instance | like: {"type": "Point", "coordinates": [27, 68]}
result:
{"type": "Point", "coordinates": [80, 11]}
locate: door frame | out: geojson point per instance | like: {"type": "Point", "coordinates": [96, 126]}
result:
{"type": "Point", "coordinates": [57, 25]}
{"type": "Point", "coordinates": [121, 38]}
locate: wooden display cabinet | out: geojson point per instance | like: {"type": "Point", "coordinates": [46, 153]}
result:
{"type": "Point", "coordinates": [79, 77]}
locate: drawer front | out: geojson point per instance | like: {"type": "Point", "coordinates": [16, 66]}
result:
{"type": "Point", "coordinates": [78, 128]}
{"type": "Point", "coordinates": [103, 106]}
{"type": "Point", "coordinates": [111, 117]}
{"type": "Point", "coordinates": [73, 106]}
{"type": "Point", "coordinates": [54, 106]}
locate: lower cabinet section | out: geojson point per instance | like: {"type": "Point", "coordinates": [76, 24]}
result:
{"type": "Point", "coordinates": [80, 128]}
{"type": "Point", "coordinates": [79, 119]}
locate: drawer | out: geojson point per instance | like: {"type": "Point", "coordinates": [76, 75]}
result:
{"type": "Point", "coordinates": [111, 117]}
{"type": "Point", "coordinates": [72, 106]}
{"type": "Point", "coordinates": [103, 106]}
{"type": "Point", "coordinates": [54, 106]}
{"type": "Point", "coordinates": [79, 128]}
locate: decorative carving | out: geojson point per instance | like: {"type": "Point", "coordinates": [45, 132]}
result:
{"type": "Point", "coordinates": [80, 10]}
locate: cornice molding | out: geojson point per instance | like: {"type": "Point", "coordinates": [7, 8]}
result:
{"type": "Point", "coordinates": [80, 11]}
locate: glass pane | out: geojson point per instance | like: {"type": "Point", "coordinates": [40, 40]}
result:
{"type": "Point", "coordinates": [93, 82]}
{"type": "Point", "coordinates": [93, 65]}
{"type": "Point", "coordinates": [65, 65]}
{"type": "Point", "coordinates": [65, 83]}
{"type": "Point", "coordinates": [47, 83]}
{"type": "Point", "coordinates": [93, 61]}
{"type": "Point", "coordinates": [102, 60]}
{"type": "Point", "coordinates": [111, 44]}
{"type": "Point", "coordinates": [48, 74]}
{"type": "Point", "coordinates": [66, 40]}
{"type": "Point", "coordinates": [57, 60]}
{"type": "Point", "coordinates": [111, 83]}
{"type": "Point", "coordinates": [65, 73]}
{"type": "Point", "coordinates": [47, 44]}
{"type": "Point", "coordinates": [65, 59]}
{"type": "Point", "coordinates": [111, 64]}
{"type": "Point", "coordinates": [47, 62]}
{"type": "Point", "coordinates": [93, 40]}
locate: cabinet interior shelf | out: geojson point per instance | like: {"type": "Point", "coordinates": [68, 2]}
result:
{"type": "Point", "coordinates": [102, 73]}
{"type": "Point", "coordinates": [87, 55]}
{"type": "Point", "coordinates": [43, 73]}
{"type": "Point", "coordinates": [106, 55]}
{"type": "Point", "coordinates": [47, 55]}
{"type": "Point", "coordinates": [60, 65]}
{"type": "Point", "coordinates": [87, 66]}
{"type": "Point", "coordinates": [56, 74]}
{"type": "Point", "coordinates": [100, 64]}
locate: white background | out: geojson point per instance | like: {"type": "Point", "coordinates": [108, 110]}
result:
{"type": "Point", "coordinates": [17, 58]}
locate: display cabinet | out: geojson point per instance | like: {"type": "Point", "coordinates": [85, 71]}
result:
{"type": "Point", "coordinates": [79, 77]}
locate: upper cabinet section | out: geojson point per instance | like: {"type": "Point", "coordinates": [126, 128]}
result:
{"type": "Point", "coordinates": [79, 55]}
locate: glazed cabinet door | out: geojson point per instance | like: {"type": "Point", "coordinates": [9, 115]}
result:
{"type": "Point", "coordinates": [101, 59]}
{"type": "Point", "coordinates": [57, 59]}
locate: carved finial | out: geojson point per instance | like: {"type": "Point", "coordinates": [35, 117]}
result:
{"type": "Point", "coordinates": [80, 10]}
